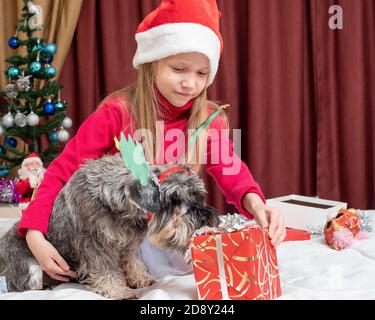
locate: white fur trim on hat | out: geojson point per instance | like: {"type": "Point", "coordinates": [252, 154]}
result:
{"type": "Point", "coordinates": [32, 159]}
{"type": "Point", "coordinates": [174, 38]}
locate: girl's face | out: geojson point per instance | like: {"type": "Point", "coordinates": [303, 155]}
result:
{"type": "Point", "coordinates": [182, 77]}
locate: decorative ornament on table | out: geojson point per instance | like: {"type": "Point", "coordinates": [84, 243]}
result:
{"type": "Point", "coordinates": [32, 119]}
{"type": "Point", "coordinates": [20, 119]}
{"type": "Point", "coordinates": [8, 120]}
{"type": "Point", "coordinates": [36, 20]}
{"type": "Point", "coordinates": [31, 175]}
{"type": "Point", "coordinates": [8, 191]}
{"type": "Point", "coordinates": [343, 229]}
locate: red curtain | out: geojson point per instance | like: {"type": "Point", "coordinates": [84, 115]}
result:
{"type": "Point", "coordinates": [300, 92]}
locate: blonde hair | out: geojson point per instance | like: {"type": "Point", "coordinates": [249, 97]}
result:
{"type": "Point", "coordinates": [140, 98]}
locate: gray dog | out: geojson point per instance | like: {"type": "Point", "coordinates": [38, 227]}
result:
{"type": "Point", "coordinates": [101, 217]}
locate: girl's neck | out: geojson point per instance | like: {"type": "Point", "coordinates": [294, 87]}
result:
{"type": "Point", "coordinates": [169, 112]}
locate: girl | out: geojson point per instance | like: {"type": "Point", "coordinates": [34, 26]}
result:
{"type": "Point", "coordinates": [179, 47]}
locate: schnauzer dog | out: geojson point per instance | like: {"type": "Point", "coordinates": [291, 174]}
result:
{"type": "Point", "coordinates": [99, 220]}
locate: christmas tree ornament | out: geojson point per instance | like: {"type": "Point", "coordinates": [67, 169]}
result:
{"type": "Point", "coordinates": [37, 46]}
{"type": "Point", "coordinates": [36, 20]}
{"type": "Point", "coordinates": [2, 150]}
{"type": "Point", "coordinates": [53, 136]}
{"type": "Point", "coordinates": [2, 130]}
{"type": "Point", "coordinates": [49, 108]}
{"type": "Point", "coordinates": [14, 43]}
{"type": "Point", "coordinates": [20, 120]}
{"type": "Point", "coordinates": [47, 58]}
{"type": "Point", "coordinates": [8, 120]}
{"type": "Point", "coordinates": [63, 135]}
{"type": "Point", "coordinates": [11, 91]}
{"type": "Point", "coordinates": [67, 123]}
{"type": "Point", "coordinates": [35, 67]}
{"type": "Point", "coordinates": [49, 72]}
{"type": "Point", "coordinates": [11, 142]}
{"type": "Point", "coordinates": [4, 171]}
{"type": "Point", "coordinates": [59, 105]}
{"type": "Point", "coordinates": [49, 48]}
{"type": "Point", "coordinates": [13, 72]}
{"type": "Point", "coordinates": [32, 119]}
{"type": "Point", "coordinates": [23, 84]}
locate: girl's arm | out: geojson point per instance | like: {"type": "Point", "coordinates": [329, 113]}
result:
{"type": "Point", "coordinates": [230, 172]}
{"type": "Point", "coordinates": [238, 185]}
{"type": "Point", "coordinates": [93, 139]}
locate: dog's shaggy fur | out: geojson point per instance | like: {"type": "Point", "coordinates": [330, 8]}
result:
{"type": "Point", "coordinates": [98, 221]}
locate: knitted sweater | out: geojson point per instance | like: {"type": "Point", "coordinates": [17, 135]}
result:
{"type": "Point", "coordinates": [95, 138]}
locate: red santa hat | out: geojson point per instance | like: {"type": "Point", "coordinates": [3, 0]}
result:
{"type": "Point", "coordinates": [31, 158]}
{"type": "Point", "coordinates": [180, 26]}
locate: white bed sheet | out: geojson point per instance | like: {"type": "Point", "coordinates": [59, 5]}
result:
{"type": "Point", "coordinates": [308, 270]}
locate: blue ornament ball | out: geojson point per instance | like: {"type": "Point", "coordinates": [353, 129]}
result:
{"type": "Point", "coordinates": [11, 142]}
{"type": "Point", "coordinates": [14, 42]}
{"type": "Point", "coordinates": [49, 72]}
{"type": "Point", "coordinates": [35, 67]}
{"type": "Point", "coordinates": [50, 48]}
{"type": "Point", "coordinates": [48, 58]}
{"type": "Point", "coordinates": [2, 150]}
{"type": "Point", "coordinates": [53, 135]}
{"type": "Point", "coordinates": [59, 105]}
{"type": "Point", "coordinates": [13, 72]}
{"type": "Point", "coordinates": [49, 108]}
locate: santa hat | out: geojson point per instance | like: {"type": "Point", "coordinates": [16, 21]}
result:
{"type": "Point", "coordinates": [31, 158]}
{"type": "Point", "coordinates": [180, 26]}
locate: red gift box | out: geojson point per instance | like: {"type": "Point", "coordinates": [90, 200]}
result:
{"type": "Point", "coordinates": [296, 235]}
{"type": "Point", "coordinates": [236, 265]}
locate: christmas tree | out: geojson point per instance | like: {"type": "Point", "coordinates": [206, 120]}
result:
{"type": "Point", "coordinates": [30, 105]}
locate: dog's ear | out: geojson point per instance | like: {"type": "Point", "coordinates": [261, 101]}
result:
{"type": "Point", "coordinates": [203, 216]}
{"type": "Point", "coordinates": [146, 198]}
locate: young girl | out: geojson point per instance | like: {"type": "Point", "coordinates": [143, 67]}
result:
{"type": "Point", "coordinates": [179, 47]}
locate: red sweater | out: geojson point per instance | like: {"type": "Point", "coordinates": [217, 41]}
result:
{"type": "Point", "coordinates": [95, 138]}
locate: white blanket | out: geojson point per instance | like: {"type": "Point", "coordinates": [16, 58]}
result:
{"type": "Point", "coordinates": [308, 270]}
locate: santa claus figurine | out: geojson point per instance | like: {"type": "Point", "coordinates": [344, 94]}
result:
{"type": "Point", "coordinates": [30, 177]}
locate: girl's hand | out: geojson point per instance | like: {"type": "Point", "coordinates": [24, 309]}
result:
{"type": "Point", "coordinates": [47, 256]}
{"type": "Point", "coordinates": [266, 217]}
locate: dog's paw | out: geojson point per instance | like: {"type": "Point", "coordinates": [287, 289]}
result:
{"type": "Point", "coordinates": [122, 295]}
{"type": "Point", "coordinates": [142, 281]}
